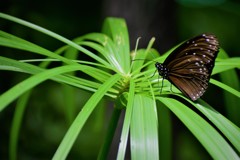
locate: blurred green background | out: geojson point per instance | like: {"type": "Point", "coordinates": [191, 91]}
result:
{"type": "Point", "coordinates": [46, 121]}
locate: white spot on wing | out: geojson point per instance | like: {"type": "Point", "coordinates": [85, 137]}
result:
{"type": "Point", "coordinates": [196, 63]}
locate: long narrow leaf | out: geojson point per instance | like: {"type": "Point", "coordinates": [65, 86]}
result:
{"type": "Point", "coordinates": [117, 29]}
{"type": "Point", "coordinates": [212, 141]}
{"type": "Point", "coordinates": [144, 129]}
{"type": "Point", "coordinates": [13, 65]}
{"type": "Point", "coordinates": [231, 79]}
{"type": "Point", "coordinates": [54, 35]}
{"type": "Point", "coordinates": [104, 46]}
{"type": "Point", "coordinates": [104, 151]}
{"type": "Point", "coordinates": [230, 130]}
{"type": "Point", "coordinates": [82, 117]}
{"type": "Point", "coordinates": [12, 41]}
{"type": "Point", "coordinates": [225, 87]}
{"type": "Point", "coordinates": [165, 132]}
{"type": "Point", "coordinates": [15, 128]}
{"type": "Point", "coordinates": [126, 125]}
{"type": "Point", "coordinates": [29, 83]}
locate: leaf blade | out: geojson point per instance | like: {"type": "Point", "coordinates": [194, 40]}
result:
{"type": "Point", "coordinates": [75, 128]}
{"type": "Point", "coordinates": [143, 129]}
{"type": "Point", "coordinates": [212, 141]}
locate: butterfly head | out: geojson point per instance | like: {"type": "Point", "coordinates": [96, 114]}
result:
{"type": "Point", "coordinates": [162, 70]}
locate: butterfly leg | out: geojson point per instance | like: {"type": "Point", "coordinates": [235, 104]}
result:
{"type": "Point", "coordinates": [161, 86]}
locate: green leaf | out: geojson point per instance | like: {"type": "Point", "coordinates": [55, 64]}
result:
{"type": "Point", "coordinates": [126, 123]}
{"type": "Point", "coordinates": [12, 41]}
{"type": "Point", "coordinates": [82, 117]}
{"type": "Point", "coordinates": [29, 83]}
{"type": "Point", "coordinates": [230, 130]}
{"type": "Point", "coordinates": [144, 129]}
{"type": "Point", "coordinates": [165, 132]}
{"type": "Point", "coordinates": [105, 47]}
{"type": "Point", "coordinates": [54, 35]}
{"type": "Point", "coordinates": [226, 65]}
{"type": "Point", "coordinates": [13, 65]}
{"type": "Point", "coordinates": [103, 154]}
{"type": "Point", "coordinates": [225, 87]}
{"type": "Point", "coordinates": [16, 123]}
{"type": "Point", "coordinates": [116, 28]}
{"type": "Point", "coordinates": [231, 79]}
{"type": "Point", "coordinates": [212, 141]}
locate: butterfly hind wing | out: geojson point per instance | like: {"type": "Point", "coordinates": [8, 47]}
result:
{"type": "Point", "coordinates": [191, 87]}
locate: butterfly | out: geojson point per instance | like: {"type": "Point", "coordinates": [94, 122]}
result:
{"type": "Point", "coordinates": [190, 65]}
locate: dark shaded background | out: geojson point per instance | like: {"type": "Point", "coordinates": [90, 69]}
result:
{"type": "Point", "coordinates": [169, 21]}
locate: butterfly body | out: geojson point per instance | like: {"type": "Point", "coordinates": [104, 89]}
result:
{"type": "Point", "coordinates": [190, 65]}
{"type": "Point", "coordinates": [162, 70]}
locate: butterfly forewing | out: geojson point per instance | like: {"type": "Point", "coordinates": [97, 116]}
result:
{"type": "Point", "coordinates": [204, 45]}
{"type": "Point", "coordinates": [190, 65]}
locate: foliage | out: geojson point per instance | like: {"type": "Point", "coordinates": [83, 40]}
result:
{"type": "Point", "coordinates": [112, 73]}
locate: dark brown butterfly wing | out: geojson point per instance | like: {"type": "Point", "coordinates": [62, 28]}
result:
{"type": "Point", "coordinates": [190, 65]}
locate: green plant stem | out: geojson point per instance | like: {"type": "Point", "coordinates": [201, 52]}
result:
{"type": "Point", "coordinates": [110, 134]}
